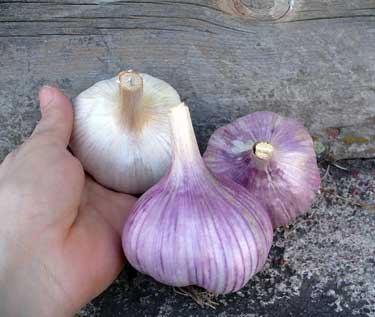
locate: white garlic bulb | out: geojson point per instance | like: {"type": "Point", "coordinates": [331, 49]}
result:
{"type": "Point", "coordinates": [121, 131]}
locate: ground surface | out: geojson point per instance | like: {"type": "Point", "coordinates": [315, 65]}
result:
{"type": "Point", "coordinates": [322, 265]}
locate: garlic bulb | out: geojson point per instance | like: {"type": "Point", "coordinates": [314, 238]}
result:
{"type": "Point", "coordinates": [192, 228]}
{"type": "Point", "coordinates": [121, 132]}
{"type": "Point", "coordinates": [273, 157]}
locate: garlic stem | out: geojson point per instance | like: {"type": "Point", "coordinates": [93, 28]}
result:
{"type": "Point", "coordinates": [262, 152]}
{"type": "Point", "coordinates": [185, 147]}
{"type": "Point", "coordinates": [131, 93]}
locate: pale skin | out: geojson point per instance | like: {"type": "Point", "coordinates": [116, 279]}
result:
{"type": "Point", "coordinates": [60, 231]}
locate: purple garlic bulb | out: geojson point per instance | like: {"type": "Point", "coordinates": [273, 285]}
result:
{"type": "Point", "coordinates": [273, 157]}
{"type": "Point", "coordinates": [193, 228]}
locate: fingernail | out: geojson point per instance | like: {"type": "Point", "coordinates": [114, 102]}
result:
{"type": "Point", "coordinates": [46, 95]}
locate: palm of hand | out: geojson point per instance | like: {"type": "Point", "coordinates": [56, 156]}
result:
{"type": "Point", "coordinates": [61, 229]}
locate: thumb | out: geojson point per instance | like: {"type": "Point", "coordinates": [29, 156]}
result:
{"type": "Point", "coordinates": [56, 123]}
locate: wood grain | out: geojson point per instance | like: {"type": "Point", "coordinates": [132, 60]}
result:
{"type": "Point", "coordinates": [316, 61]}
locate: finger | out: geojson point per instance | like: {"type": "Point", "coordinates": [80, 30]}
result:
{"type": "Point", "coordinates": [94, 242]}
{"type": "Point", "coordinates": [94, 254]}
{"type": "Point", "coordinates": [56, 123]}
{"type": "Point", "coordinates": [113, 207]}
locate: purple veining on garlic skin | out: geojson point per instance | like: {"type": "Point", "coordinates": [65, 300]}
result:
{"type": "Point", "coordinates": [193, 228]}
{"type": "Point", "coordinates": [286, 183]}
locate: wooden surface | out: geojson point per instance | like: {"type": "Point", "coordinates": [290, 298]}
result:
{"type": "Point", "coordinates": [313, 59]}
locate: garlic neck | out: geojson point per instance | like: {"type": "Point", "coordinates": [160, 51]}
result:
{"type": "Point", "coordinates": [262, 154]}
{"type": "Point", "coordinates": [131, 106]}
{"type": "Point", "coordinates": [185, 149]}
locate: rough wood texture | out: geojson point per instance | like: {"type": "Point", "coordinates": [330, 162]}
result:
{"type": "Point", "coordinates": [316, 61]}
{"type": "Point", "coordinates": [309, 59]}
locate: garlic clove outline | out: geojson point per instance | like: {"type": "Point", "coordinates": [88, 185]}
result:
{"type": "Point", "coordinates": [121, 130]}
{"type": "Point", "coordinates": [193, 228]}
{"type": "Point", "coordinates": [273, 157]}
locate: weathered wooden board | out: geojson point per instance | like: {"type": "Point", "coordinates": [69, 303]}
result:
{"type": "Point", "coordinates": [310, 59]}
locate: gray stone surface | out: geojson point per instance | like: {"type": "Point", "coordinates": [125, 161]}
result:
{"type": "Point", "coordinates": [321, 265]}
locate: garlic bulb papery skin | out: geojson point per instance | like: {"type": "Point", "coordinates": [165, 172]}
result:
{"type": "Point", "coordinates": [273, 157]}
{"type": "Point", "coordinates": [193, 228]}
{"type": "Point", "coordinates": [121, 131]}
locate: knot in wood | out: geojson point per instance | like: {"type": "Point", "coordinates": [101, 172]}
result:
{"type": "Point", "coordinates": [259, 10]}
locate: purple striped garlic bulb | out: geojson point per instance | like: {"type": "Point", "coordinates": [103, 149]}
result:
{"type": "Point", "coordinates": [193, 228]}
{"type": "Point", "coordinates": [273, 157]}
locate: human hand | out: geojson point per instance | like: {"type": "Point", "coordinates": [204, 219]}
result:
{"type": "Point", "coordinates": [60, 231]}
